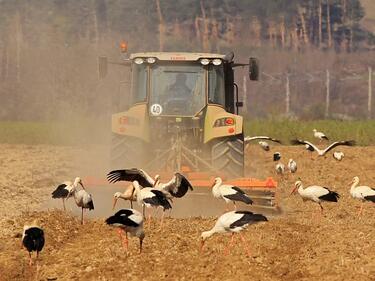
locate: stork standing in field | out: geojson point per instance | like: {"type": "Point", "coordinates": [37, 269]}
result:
{"type": "Point", "coordinates": [233, 222]}
{"type": "Point", "coordinates": [83, 200]}
{"type": "Point", "coordinates": [319, 135]}
{"type": "Point", "coordinates": [315, 193]}
{"type": "Point", "coordinates": [128, 221]}
{"type": "Point", "coordinates": [33, 239]}
{"type": "Point", "coordinates": [338, 155]}
{"type": "Point", "coordinates": [63, 190]}
{"type": "Point", "coordinates": [229, 193]}
{"type": "Point", "coordinates": [151, 198]}
{"type": "Point", "coordinates": [322, 152]}
{"type": "Point", "coordinates": [262, 143]}
{"type": "Point", "coordinates": [280, 167]}
{"type": "Point", "coordinates": [363, 193]}
{"type": "Point", "coordinates": [292, 166]}
{"type": "Point", "coordinates": [128, 194]}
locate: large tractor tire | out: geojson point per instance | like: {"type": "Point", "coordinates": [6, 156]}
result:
{"type": "Point", "coordinates": [127, 152]}
{"type": "Point", "coordinates": [227, 156]}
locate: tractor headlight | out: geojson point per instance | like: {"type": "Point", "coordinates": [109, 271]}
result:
{"type": "Point", "coordinates": [216, 62]}
{"type": "Point", "coordinates": [226, 121]}
{"type": "Point", "coordinates": [138, 60]}
{"type": "Point", "coordinates": [205, 61]}
{"type": "Point", "coordinates": [151, 60]}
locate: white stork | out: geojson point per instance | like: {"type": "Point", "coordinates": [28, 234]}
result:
{"type": "Point", "coordinates": [83, 200]}
{"type": "Point", "coordinates": [128, 221]}
{"type": "Point", "coordinates": [177, 187]}
{"type": "Point", "coordinates": [233, 222]}
{"type": "Point", "coordinates": [128, 194]}
{"type": "Point", "coordinates": [229, 193]}
{"type": "Point", "coordinates": [292, 166]}
{"type": "Point", "coordinates": [338, 155]}
{"type": "Point", "coordinates": [33, 239]}
{"type": "Point", "coordinates": [363, 193]}
{"type": "Point", "coordinates": [315, 193]}
{"type": "Point", "coordinates": [63, 190]}
{"type": "Point", "coordinates": [320, 152]}
{"type": "Point", "coordinates": [262, 143]}
{"type": "Point", "coordinates": [151, 198]}
{"type": "Point", "coordinates": [276, 156]}
{"type": "Point", "coordinates": [319, 135]}
{"type": "Point", "coordinates": [280, 168]}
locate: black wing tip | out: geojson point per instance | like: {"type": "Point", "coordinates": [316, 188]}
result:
{"type": "Point", "coordinates": [296, 141]}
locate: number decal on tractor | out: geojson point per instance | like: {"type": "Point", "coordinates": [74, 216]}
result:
{"type": "Point", "coordinates": [156, 109]}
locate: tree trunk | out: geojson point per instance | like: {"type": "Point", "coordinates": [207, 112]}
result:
{"type": "Point", "coordinates": [161, 26]}
{"type": "Point", "coordinates": [303, 23]}
{"type": "Point", "coordinates": [18, 46]}
{"type": "Point", "coordinates": [205, 28]}
{"type": "Point", "coordinates": [320, 11]}
{"type": "Point", "coordinates": [329, 31]}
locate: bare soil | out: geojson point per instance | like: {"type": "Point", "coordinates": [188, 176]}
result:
{"type": "Point", "coordinates": [295, 245]}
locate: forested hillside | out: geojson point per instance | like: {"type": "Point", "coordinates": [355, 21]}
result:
{"type": "Point", "coordinates": [49, 48]}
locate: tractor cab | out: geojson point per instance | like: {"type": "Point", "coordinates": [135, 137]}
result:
{"type": "Point", "coordinates": [182, 112]}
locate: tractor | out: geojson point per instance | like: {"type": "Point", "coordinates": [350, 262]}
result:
{"type": "Point", "coordinates": [181, 114]}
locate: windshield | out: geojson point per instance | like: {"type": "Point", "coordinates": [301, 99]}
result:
{"type": "Point", "coordinates": [177, 89]}
{"type": "Point", "coordinates": [139, 83]}
{"type": "Point", "coordinates": [216, 90]}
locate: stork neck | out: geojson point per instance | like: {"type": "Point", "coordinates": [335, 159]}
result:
{"type": "Point", "coordinates": [354, 185]}
{"type": "Point", "coordinates": [208, 233]}
{"type": "Point", "coordinates": [300, 189]}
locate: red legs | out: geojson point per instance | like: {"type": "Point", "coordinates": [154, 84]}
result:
{"type": "Point", "coordinates": [30, 259]}
{"type": "Point", "coordinates": [360, 210]}
{"type": "Point", "coordinates": [131, 205]}
{"type": "Point", "coordinates": [125, 242]}
{"type": "Point", "coordinates": [143, 211]}
{"type": "Point", "coordinates": [227, 249]}
{"type": "Point", "coordinates": [245, 245]}
{"type": "Point", "coordinates": [235, 206]}
{"type": "Point", "coordinates": [63, 203]}
{"type": "Point", "coordinates": [82, 216]}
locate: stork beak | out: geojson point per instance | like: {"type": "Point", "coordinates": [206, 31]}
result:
{"type": "Point", "coordinates": [114, 203]}
{"type": "Point", "coordinates": [294, 189]}
{"type": "Point", "coordinates": [201, 245]}
{"type": "Point", "coordinates": [82, 185]}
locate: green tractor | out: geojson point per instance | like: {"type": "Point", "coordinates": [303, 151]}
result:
{"type": "Point", "coordinates": [182, 113]}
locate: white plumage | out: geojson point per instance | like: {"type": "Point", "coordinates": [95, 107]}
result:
{"type": "Point", "coordinates": [338, 155]}
{"type": "Point", "coordinates": [319, 135]}
{"type": "Point", "coordinates": [292, 166]}
{"type": "Point", "coordinates": [315, 193]}
{"type": "Point", "coordinates": [233, 222]}
{"type": "Point", "coordinates": [83, 200]}
{"type": "Point", "coordinates": [280, 168]}
{"type": "Point", "coordinates": [264, 145]}
{"type": "Point", "coordinates": [309, 146]}
{"type": "Point", "coordinates": [128, 194]}
{"type": "Point", "coordinates": [229, 193]}
{"type": "Point", "coordinates": [363, 193]}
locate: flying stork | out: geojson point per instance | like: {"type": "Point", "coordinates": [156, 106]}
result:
{"type": "Point", "coordinates": [262, 143]}
{"type": "Point", "coordinates": [363, 193]}
{"type": "Point", "coordinates": [233, 222]}
{"type": "Point", "coordinates": [128, 221]}
{"type": "Point", "coordinates": [229, 193]}
{"type": "Point", "coordinates": [177, 187]}
{"type": "Point", "coordinates": [338, 155]}
{"type": "Point", "coordinates": [324, 151]}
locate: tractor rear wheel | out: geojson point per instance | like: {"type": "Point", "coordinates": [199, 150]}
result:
{"type": "Point", "coordinates": [227, 156]}
{"type": "Point", "coordinates": [126, 152]}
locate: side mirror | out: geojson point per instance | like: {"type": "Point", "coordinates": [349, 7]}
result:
{"type": "Point", "coordinates": [103, 67]}
{"type": "Point", "coordinates": [253, 69]}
